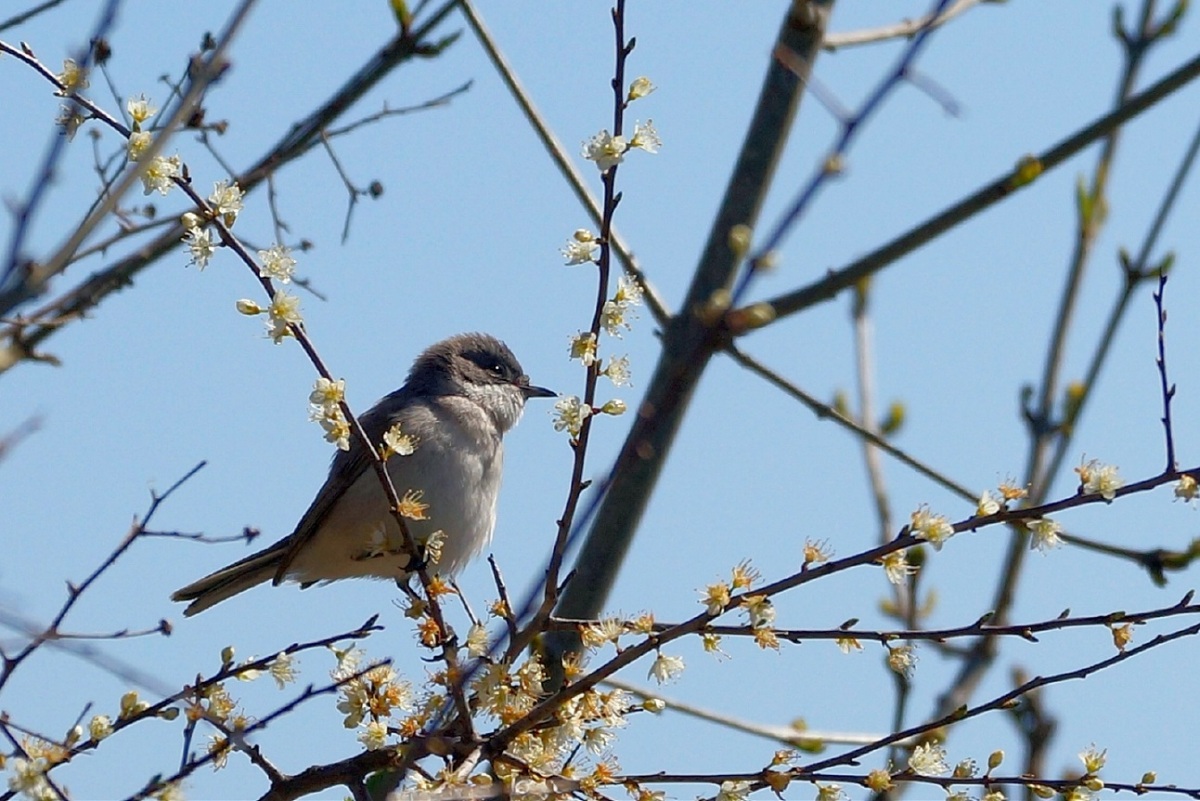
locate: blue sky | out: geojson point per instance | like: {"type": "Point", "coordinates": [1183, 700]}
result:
{"type": "Point", "coordinates": [465, 237]}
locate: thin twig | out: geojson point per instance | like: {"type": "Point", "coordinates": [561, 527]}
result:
{"type": "Point", "coordinates": [74, 591]}
{"type": "Point", "coordinates": [897, 30]}
{"type": "Point", "coordinates": [370, 119]}
{"type": "Point", "coordinates": [564, 163]}
{"type": "Point", "coordinates": [787, 735]}
{"type": "Point", "coordinates": [834, 159]}
{"type": "Point", "coordinates": [865, 374]}
{"type": "Point", "coordinates": [299, 139]}
{"type": "Point", "coordinates": [510, 621]}
{"type": "Point", "coordinates": [1137, 270]}
{"type": "Point", "coordinates": [835, 281]}
{"type": "Point", "coordinates": [1168, 389]}
{"type": "Point", "coordinates": [351, 189]}
{"type": "Point", "coordinates": [248, 535]}
{"type": "Point", "coordinates": [14, 437]}
{"type": "Point", "coordinates": [127, 672]}
{"type": "Point", "coordinates": [125, 232]}
{"type": "Point", "coordinates": [824, 411]}
{"type": "Point", "coordinates": [205, 71]}
{"type": "Point", "coordinates": [25, 16]}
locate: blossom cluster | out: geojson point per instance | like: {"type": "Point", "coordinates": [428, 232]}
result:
{"type": "Point", "coordinates": [570, 412]}
{"type": "Point", "coordinates": [588, 720]}
{"type": "Point", "coordinates": [575, 743]}
{"type": "Point", "coordinates": [27, 774]}
{"type": "Point", "coordinates": [1095, 478]}
{"type": "Point", "coordinates": [161, 172]}
{"type": "Point", "coordinates": [225, 202]}
{"type": "Point", "coordinates": [325, 408]}
{"type": "Point", "coordinates": [933, 528]}
{"type": "Point", "coordinates": [368, 698]}
{"type": "Point", "coordinates": [584, 247]}
{"type": "Point", "coordinates": [608, 150]}
{"type": "Point", "coordinates": [1100, 479]}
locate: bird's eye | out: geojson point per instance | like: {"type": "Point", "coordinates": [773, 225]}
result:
{"type": "Point", "coordinates": [492, 366]}
{"type": "Point", "coordinates": [497, 367]}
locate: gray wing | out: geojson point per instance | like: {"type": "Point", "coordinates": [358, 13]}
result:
{"type": "Point", "coordinates": [344, 470]}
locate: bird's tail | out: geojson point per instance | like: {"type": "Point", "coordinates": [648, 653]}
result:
{"type": "Point", "coordinates": [229, 581]}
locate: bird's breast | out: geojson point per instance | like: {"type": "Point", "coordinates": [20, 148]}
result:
{"type": "Point", "coordinates": [450, 483]}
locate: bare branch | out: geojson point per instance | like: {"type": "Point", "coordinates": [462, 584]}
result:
{"type": "Point", "coordinates": [898, 30]}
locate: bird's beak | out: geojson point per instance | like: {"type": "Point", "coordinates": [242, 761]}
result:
{"type": "Point", "coordinates": [534, 392]}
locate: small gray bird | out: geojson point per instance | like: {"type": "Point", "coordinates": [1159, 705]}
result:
{"type": "Point", "coordinates": [461, 395]}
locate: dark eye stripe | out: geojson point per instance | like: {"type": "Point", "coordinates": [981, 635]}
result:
{"type": "Point", "coordinates": [491, 364]}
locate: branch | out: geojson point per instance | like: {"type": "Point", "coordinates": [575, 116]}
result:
{"type": "Point", "coordinates": [564, 163]}
{"type": "Point", "coordinates": [898, 30]}
{"type": "Point", "coordinates": [1168, 389]}
{"type": "Point", "coordinates": [17, 435]}
{"type": "Point", "coordinates": [690, 339]}
{"type": "Point", "coordinates": [25, 16]}
{"type": "Point", "coordinates": [835, 281]}
{"type": "Point", "coordinates": [802, 738]}
{"type": "Point", "coordinates": [1003, 701]}
{"type": "Point", "coordinates": [1137, 269]}
{"type": "Point", "coordinates": [832, 164]}
{"type": "Point", "coordinates": [1025, 631]}
{"type": "Point", "coordinates": [38, 275]}
{"type": "Point", "coordinates": [824, 411]}
{"type": "Point", "coordinates": [9, 664]}
{"type": "Point", "coordinates": [301, 138]}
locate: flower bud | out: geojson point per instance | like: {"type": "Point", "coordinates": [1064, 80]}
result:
{"type": "Point", "coordinates": [639, 88]}
{"type": "Point", "coordinates": [614, 407]}
{"type": "Point", "coordinates": [248, 308]}
{"type": "Point", "coordinates": [759, 314]}
{"type": "Point", "coordinates": [739, 239]}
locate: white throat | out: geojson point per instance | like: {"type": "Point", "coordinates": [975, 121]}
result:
{"type": "Point", "coordinates": [502, 402]}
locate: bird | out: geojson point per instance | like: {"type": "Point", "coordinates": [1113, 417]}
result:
{"type": "Point", "coordinates": [460, 398]}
